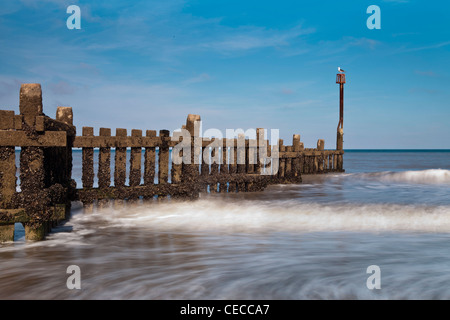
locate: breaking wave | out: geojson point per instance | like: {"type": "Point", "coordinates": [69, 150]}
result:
{"type": "Point", "coordinates": [430, 176]}
{"type": "Point", "coordinates": [219, 215]}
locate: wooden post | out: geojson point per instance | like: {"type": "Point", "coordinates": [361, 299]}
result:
{"type": "Point", "coordinates": [288, 168]}
{"type": "Point", "coordinates": [268, 160]}
{"type": "Point", "coordinates": [177, 168]}
{"type": "Point", "coordinates": [215, 157]}
{"type": "Point", "coordinates": [233, 156]}
{"type": "Point", "coordinates": [6, 233]}
{"type": "Point", "coordinates": [339, 162]}
{"type": "Point", "coordinates": [250, 155]}
{"type": "Point", "coordinates": [104, 161]}
{"type": "Point", "coordinates": [7, 175]}
{"type": "Point", "coordinates": [32, 172]}
{"type": "Point", "coordinates": [120, 161]}
{"type": "Point", "coordinates": [335, 161]}
{"type": "Point", "coordinates": [223, 166]}
{"type": "Point", "coordinates": [205, 160]}
{"type": "Point", "coordinates": [282, 165]}
{"type": "Point", "coordinates": [7, 168]}
{"type": "Point", "coordinates": [296, 167]}
{"type": "Point", "coordinates": [320, 148]}
{"type": "Point", "coordinates": [149, 161]}
{"type": "Point", "coordinates": [190, 171]}
{"type": "Point", "coordinates": [241, 160]}
{"type": "Point", "coordinates": [135, 161]}
{"type": "Point", "coordinates": [224, 169]}
{"type": "Point", "coordinates": [65, 115]}
{"type": "Point", "coordinates": [88, 161]}
{"type": "Point", "coordinates": [340, 139]}
{"type": "Point", "coordinates": [320, 145]}
{"type": "Point", "coordinates": [163, 157]}
{"type": "Point", "coordinates": [30, 103]}
{"type": "Point", "coordinates": [241, 153]}
{"type": "Point", "coordinates": [259, 146]}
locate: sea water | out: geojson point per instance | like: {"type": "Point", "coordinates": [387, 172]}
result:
{"type": "Point", "coordinates": [313, 240]}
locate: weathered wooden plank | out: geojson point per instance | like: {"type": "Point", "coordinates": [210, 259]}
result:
{"type": "Point", "coordinates": [293, 154]}
{"type": "Point", "coordinates": [39, 126]}
{"type": "Point", "coordinates": [6, 232]}
{"type": "Point", "coordinates": [64, 115]}
{"type": "Point", "coordinates": [115, 142]}
{"type": "Point", "coordinates": [128, 192]}
{"type": "Point", "coordinates": [206, 152]}
{"type": "Point", "coordinates": [320, 145]}
{"type": "Point", "coordinates": [7, 176]}
{"type": "Point", "coordinates": [56, 125]}
{"type": "Point", "coordinates": [149, 160]}
{"type": "Point", "coordinates": [135, 160]}
{"type": "Point", "coordinates": [87, 177]}
{"type": "Point", "coordinates": [288, 168]}
{"type": "Point", "coordinates": [296, 166]}
{"type": "Point", "coordinates": [233, 158]}
{"type": "Point", "coordinates": [250, 153]}
{"type": "Point", "coordinates": [282, 165]}
{"type": "Point", "coordinates": [30, 102]}
{"type": "Point", "coordinates": [224, 167]}
{"type": "Point", "coordinates": [6, 119]}
{"type": "Point", "coordinates": [18, 119]}
{"type": "Point", "coordinates": [177, 167]}
{"type": "Point", "coordinates": [104, 162]}
{"type": "Point", "coordinates": [21, 139]}
{"type": "Point", "coordinates": [120, 161]}
{"type": "Point", "coordinates": [241, 160]}
{"type": "Point", "coordinates": [8, 216]}
{"type": "Point", "coordinates": [163, 157]}
{"type": "Point", "coordinates": [260, 147]}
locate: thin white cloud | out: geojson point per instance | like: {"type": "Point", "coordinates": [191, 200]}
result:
{"type": "Point", "coordinates": [200, 78]}
{"type": "Point", "coordinates": [429, 47]}
{"type": "Point", "coordinates": [249, 38]}
{"type": "Point", "coordinates": [396, 1]}
{"type": "Point", "coordinates": [61, 88]}
{"type": "Point", "coordinates": [427, 73]}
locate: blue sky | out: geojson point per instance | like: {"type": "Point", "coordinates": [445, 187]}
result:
{"type": "Point", "coordinates": [239, 64]}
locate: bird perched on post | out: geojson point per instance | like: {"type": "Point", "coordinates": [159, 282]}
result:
{"type": "Point", "coordinates": [341, 70]}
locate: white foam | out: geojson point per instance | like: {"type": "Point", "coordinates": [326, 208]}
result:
{"type": "Point", "coordinates": [430, 176]}
{"type": "Point", "coordinates": [216, 214]}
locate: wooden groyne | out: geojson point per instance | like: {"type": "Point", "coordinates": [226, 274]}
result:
{"type": "Point", "coordinates": [160, 164]}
